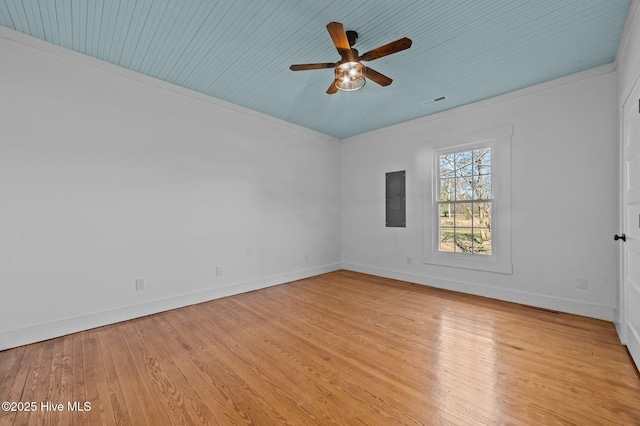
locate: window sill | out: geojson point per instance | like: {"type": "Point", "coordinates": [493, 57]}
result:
{"type": "Point", "coordinates": [469, 261]}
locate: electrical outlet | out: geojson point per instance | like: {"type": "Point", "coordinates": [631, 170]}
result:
{"type": "Point", "coordinates": [409, 260]}
{"type": "Point", "coordinates": [306, 257]}
{"type": "Point", "coordinates": [140, 284]}
{"type": "Point", "coordinates": [581, 283]}
{"type": "Point", "coordinates": [218, 271]}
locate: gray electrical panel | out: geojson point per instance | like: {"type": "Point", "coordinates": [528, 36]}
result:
{"type": "Point", "coordinates": [395, 193]}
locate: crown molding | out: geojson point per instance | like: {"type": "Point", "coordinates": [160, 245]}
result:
{"type": "Point", "coordinates": [70, 55]}
{"type": "Point", "coordinates": [626, 30]}
{"type": "Point", "coordinates": [552, 84]}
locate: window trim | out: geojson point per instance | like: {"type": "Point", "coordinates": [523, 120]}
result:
{"type": "Point", "coordinates": [499, 261]}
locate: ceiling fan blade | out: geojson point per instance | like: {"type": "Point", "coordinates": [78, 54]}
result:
{"type": "Point", "coordinates": [376, 77]}
{"type": "Point", "coordinates": [339, 37]}
{"type": "Point", "coordinates": [332, 89]}
{"type": "Point", "coordinates": [387, 49]}
{"type": "Point", "coordinates": [318, 66]}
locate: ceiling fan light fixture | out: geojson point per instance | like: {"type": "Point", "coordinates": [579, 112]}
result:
{"type": "Point", "coordinates": [350, 76]}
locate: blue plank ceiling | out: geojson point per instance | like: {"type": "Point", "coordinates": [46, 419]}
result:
{"type": "Point", "coordinates": [240, 50]}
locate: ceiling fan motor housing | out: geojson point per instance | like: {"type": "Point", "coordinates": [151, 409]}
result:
{"type": "Point", "coordinates": [352, 36]}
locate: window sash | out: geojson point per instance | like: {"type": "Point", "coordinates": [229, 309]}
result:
{"type": "Point", "coordinates": [468, 235]}
{"type": "Point", "coordinates": [459, 185]}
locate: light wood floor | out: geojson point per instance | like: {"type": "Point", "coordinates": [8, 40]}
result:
{"type": "Point", "coordinates": [342, 348]}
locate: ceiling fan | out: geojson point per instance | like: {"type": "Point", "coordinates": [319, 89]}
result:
{"type": "Point", "coordinates": [350, 73]}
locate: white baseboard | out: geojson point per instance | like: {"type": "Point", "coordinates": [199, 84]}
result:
{"type": "Point", "coordinates": [24, 336]}
{"type": "Point", "coordinates": [633, 345]}
{"type": "Point", "coordinates": [531, 299]}
{"type": "Point", "coordinates": [617, 321]}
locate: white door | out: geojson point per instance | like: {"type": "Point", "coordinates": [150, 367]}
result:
{"type": "Point", "coordinates": [630, 237]}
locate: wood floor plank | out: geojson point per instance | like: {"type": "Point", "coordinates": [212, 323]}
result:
{"type": "Point", "coordinates": [338, 349]}
{"type": "Point", "coordinates": [121, 378]}
{"type": "Point", "coordinates": [38, 383]}
{"type": "Point", "coordinates": [77, 369]}
{"type": "Point", "coordinates": [98, 389]}
{"type": "Point", "coordinates": [15, 373]}
{"type": "Point", "coordinates": [8, 376]}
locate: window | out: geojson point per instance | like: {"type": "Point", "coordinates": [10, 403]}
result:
{"type": "Point", "coordinates": [464, 204]}
{"type": "Point", "coordinates": [467, 201]}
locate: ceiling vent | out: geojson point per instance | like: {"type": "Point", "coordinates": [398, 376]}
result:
{"type": "Point", "coordinates": [433, 101]}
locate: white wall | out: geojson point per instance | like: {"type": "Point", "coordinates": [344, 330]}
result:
{"type": "Point", "coordinates": [564, 196]}
{"type": "Point", "coordinates": [107, 176]}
